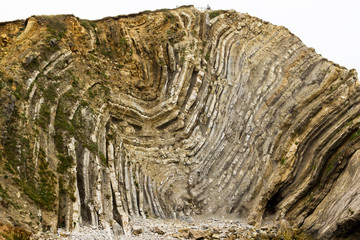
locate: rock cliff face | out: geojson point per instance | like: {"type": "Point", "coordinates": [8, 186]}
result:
{"type": "Point", "coordinates": [174, 113]}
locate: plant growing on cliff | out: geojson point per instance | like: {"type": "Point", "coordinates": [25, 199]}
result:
{"type": "Point", "coordinates": [87, 24]}
{"type": "Point", "coordinates": [41, 188]}
{"type": "Point", "coordinates": [355, 135]}
{"type": "Point", "coordinates": [350, 211]}
{"type": "Point", "coordinates": [122, 42]}
{"type": "Point", "coordinates": [214, 14]}
{"type": "Point", "coordinates": [169, 17]}
{"type": "Point", "coordinates": [103, 158]}
{"type": "Point", "coordinates": [2, 84]}
{"type": "Point", "coordinates": [44, 120]}
{"type": "Point", "coordinates": [55, 24]}
{"type": "Point", "coordinates": [3, 193]}
{"type": "Point", "coordinates": [65, 162]}
{"type": "Point", "coordinates": [207, 56]}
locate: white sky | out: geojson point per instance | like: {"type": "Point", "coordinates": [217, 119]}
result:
{"type": "Point", "coordinates": [332, 27]}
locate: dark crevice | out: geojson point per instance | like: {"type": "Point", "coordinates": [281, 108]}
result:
{"type": "Point", "coordinates": [349, 229]}
{"type": "Point", "coordinates": [271, 206]}
{"type": "Point", "coordinates": [85, 210]}
{"type": "Point", "coordinates": [167, 124]}
{"type": "Point", "coordinates": [117, 216]}
{"type": "Point", "coordinates": [136, 127]}
{"type": "Point", "coordinates": [190, 88]}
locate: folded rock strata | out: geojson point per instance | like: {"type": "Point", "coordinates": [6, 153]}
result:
{"type": "Point", "coordinates": [174, 113]}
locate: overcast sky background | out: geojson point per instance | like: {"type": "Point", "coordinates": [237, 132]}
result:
{"type": "Point", "coordinates": [332, 27]}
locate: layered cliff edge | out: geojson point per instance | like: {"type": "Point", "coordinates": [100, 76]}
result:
{"type": "Point", "coordinates": [174, 113]}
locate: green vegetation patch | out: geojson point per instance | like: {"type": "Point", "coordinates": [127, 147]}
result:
{"type": "Point", "coordinates": [87, 24]}
{"type": "Point", "coordinates": [214, 14]}
{"type": "Point", "coordinates": [65, 128]}
{"type": "Point", "coordinates": [62, 127]}
{"type": "Point", "coordinates": [168, 17]}
{"type": "Point", "coordinates": [40, 188]}
{"type": "Point", "coordinates": [44, 116]}
{"type": "Point", "coordinates": [207, 56]}
{"type": "Point", "coordinates": [107, 51]}
{"type": "Point", "coordinates": [3, 193]}
{"type": "Point", "coordinates": [2, 80]}
{"type": "Point", "coordinates": [65, 163]}
{"type": "Point", "coordinates": [50, 95]}
{"type": "Point", "coordinates": [122, 42]}
{"type": "Point", "coordinates": [355, 135]}
{"type": "Point", "coordinates": [55, 24]}
{"type": "Point", "coordinates": [17, 150]}
{"type": "Point", "coordinates": [31, 63]}
{"type": "Point", "coordinates": [175, 36]}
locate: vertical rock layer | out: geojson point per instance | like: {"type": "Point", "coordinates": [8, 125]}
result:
{"type": "Point", "coordinates": [172, 113]}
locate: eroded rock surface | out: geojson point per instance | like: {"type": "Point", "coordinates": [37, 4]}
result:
{"type": "Point", "coordinates": [174, 113]}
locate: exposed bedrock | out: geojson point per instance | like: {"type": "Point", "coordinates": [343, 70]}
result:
{"type": "Point", "coordinates": [174, 113]}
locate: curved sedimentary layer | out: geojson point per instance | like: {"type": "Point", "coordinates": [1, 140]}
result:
{"type": "Point", "coordinates": [172, 113]}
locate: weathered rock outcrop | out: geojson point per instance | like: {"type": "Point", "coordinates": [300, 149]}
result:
{"type": "Point", "coordinates": [172, 113]}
